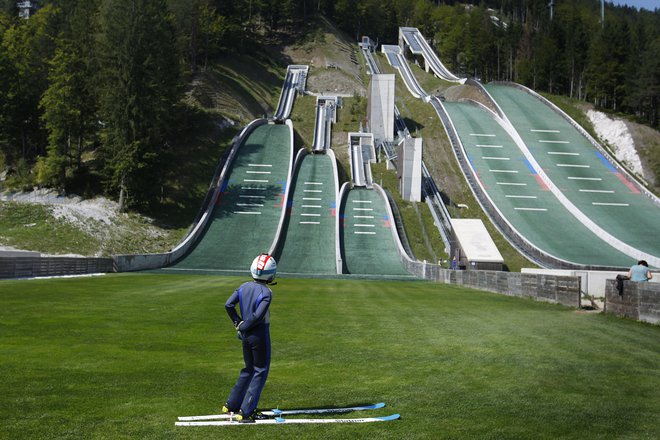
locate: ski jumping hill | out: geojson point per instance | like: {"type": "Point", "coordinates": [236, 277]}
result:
{"type": "Point", "coordinates": [550, 189]}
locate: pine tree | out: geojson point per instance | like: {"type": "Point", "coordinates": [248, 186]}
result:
{"type": "Point", "coordinates": [140, 73]}
{"type": "Point", "coordinates": [27, 46]}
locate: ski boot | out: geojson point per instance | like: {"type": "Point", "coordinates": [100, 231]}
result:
{"type": "Point", "coordinates": [233, 415]}
{"type": "Point", "coordinates": [251, 418]}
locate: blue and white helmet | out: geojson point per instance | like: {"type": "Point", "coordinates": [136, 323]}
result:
{"type": "Point", "coordinates": [263, 268]}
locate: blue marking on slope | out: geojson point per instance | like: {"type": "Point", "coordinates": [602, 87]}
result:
{"type": "Point", "coordinates": [606, 162]}
{"type": "Point", "coordinates": [469, 158]}
{"type": "Point", "coordinates": [530, 167]}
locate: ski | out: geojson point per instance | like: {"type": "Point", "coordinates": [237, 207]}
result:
{"type": "Point", "coordinates": [289, 412]}
{"type": "Point", "coordinates": [282, 421]}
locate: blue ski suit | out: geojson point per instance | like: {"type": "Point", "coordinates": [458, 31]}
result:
{"type": "Point", "coordinates": [253, 299]}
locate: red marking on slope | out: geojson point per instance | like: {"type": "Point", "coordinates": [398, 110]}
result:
{"type": "Point", "coordinates": [540, 181]}
{"type": "Point", "coordinates": [281, 203]}
{"type": "Point", "coordinates": [625, 181]}
{"type": "Point", "coordinates": [218, 199]}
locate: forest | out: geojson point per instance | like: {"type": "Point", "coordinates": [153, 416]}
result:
{"type": "Point", "coordinates": [90, 90]}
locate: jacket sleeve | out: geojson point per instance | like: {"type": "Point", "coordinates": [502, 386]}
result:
{"type": "Point", "coordinates": [260, 312]}
{"type": "Point", "coordinates": [230, 307]}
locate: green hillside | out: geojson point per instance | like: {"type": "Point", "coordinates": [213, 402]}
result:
{"type": "Point", "coordinates": [225, 89]}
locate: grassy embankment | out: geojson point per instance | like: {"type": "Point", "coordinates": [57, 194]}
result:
{"type": "Point", "coordinates": [122, 356]}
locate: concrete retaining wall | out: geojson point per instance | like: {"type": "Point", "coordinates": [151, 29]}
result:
{"type": "Point", "coordinates": [593, 281]}
{"type": "Point", "coordinates": [29, 267]}
{"type": "Point", "coordinates": [554, 289]}
{"type": "Point", "coordinates": [640, 301]}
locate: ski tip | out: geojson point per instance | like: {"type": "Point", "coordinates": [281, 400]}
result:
{"type": "Point", "coordinates": [378, 405]}
{"type": "Point", "coordinates": [388, 418]}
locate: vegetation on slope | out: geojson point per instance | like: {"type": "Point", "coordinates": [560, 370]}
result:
{"type": "Point", "coordinates": [229, 83]}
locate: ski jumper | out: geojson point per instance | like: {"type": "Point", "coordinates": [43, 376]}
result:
{"type": "Point", "coordinates": [253, 299]}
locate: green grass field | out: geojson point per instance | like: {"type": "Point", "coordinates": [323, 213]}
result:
{"type": "Point", "coordinates": [120, 356]}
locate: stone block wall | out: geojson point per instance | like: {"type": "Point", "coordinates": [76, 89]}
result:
{"type": "Point", "coordinates": [640, 301]}
{"type": "Point", "coordinates": [29, 267]}
{"type": "Point", "coordinates": [555, 289]}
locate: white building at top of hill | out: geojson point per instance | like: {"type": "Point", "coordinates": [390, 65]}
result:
{"type": "Point", "coordinates": [26, 8]}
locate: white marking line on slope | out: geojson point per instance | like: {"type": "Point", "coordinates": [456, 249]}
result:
{"type": "Point", "coordinates": [570, 165]}
{"type": "Point", "coordinates": [520, 197]}
{"type": "Point", "coordinates": [609, 204]}
{"type": "Point", "coordinates": [247, 212]}
{"type": "Point", "coordinates": [364, 232]}
{"type": "Point", "coordinates": [259, 165]}
{"type": "Point", "coordinates": [544, 131]}
{"type": "Point", "coordinates": [255, 180]}
{"type": "Point", "coordinates": [511, 183]}
{"type": "Point", "coordinates": [545, 141]}
{"type": "Point", "coordinates": [606, 191]}
{"type": "Point", "coordinates": [494, 158]}
{"type": "Point", "coordinates": [504, 171]}
{"type": "Point", "coordinates": [563, 153]}
{"type": "Point", "coordinates": [309, 223]}
{"type": "Point", "coordinates": [488, 146]}
{"type": "Point", "coordinates": [584, 178]}
{"type": "Point", "coordinates": [530, 209]}
{"type": "Point", "coordinates": [482, 134]}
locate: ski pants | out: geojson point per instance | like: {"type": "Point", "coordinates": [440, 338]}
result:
{"type": "Point", "coordinates": [251, 380]}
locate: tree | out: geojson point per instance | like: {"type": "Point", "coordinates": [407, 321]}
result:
{"type": "Point", "coordinates": [69, 102]}
{"type": "Point", "coordinates": [547, 63]}
{"type": "Point", "coordinates": [8, 7]}
{"type": "Point", "coordinates": [61, 114]}
{"type": "Point", "coordinates": [140, 87]}
{"type": "Point", "coordinates": [215, 34]}
{"type": "Point", "coordinates": [27, 45]}
{"type": "Point", "coordinates": [8, 79]}
{"type": "Point", "coordinates": [573, 20]}
{"type": "Point", "coordinates": [450, 42]}
{"type": "Point", "coordinates": [188, 22]}
{"type": "Point", "coordinates": [645, 96]}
